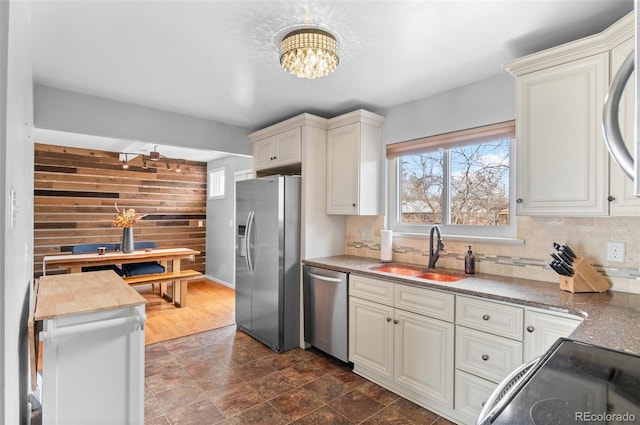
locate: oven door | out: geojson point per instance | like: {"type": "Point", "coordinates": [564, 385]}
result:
{"type": "Point", "coordinates": [572, 383]}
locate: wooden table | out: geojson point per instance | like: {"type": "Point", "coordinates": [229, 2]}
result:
{"type": "Point", "coordinates": [166, 256]}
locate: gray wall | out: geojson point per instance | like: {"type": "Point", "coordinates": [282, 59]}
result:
{"type": "Point", "coordinates": [485, 102]}
{"type": "Point", "coordinates": [16, 175]}
{"type": "Point", "coordinates": [64, 110]}
{"type": "Point", "coordinates": [220, 212]}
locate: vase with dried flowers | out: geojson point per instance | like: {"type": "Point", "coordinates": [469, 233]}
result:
{"type": "Point", "coordinates": [126, 218]}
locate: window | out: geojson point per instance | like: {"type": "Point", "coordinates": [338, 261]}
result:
{"type": "Point", "coordinates": [460, 181]}
{"type": "Point", "coordinates": [216, 183]}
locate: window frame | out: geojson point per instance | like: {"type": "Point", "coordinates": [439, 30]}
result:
{"type": "Point", "coordinates": [455, 231]}
{"type": "Point", "coordinates": [219, 175]}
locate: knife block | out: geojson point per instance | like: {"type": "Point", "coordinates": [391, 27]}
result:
{"type": "Point", "coordinates": [585, 278]}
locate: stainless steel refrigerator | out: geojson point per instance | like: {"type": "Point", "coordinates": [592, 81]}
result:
{"type": "Point", "coordinates": [268, 260]}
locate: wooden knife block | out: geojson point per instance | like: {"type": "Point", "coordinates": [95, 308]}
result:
{"type": "Point", "coordinates": [585, 279]}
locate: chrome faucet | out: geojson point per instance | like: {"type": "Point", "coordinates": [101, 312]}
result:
{"type": "Point", "coordinates": [433, 253]}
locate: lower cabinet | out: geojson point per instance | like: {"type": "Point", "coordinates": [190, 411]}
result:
{"type": "Point", "coordinates": [405, 351]}
{"type": "Point", "coordinates": [543, 329]}
{"type": "Point", "coordinates": [407, 339]}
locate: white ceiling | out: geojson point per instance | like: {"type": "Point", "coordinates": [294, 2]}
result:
{"type": "Point", "coordinates": [219, 59]}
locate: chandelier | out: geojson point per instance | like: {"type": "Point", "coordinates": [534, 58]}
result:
{"type": "Point", "coordinates": [309, 53]}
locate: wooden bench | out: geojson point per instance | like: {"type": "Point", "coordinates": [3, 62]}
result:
{"type": "Point", "coordinates": [182, 277]}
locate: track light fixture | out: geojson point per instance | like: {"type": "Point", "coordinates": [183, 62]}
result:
{"type": "Point", "coordinates": [125, 162]}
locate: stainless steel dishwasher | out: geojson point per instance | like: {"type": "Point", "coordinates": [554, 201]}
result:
{"type": "Point", "coordinates": [326, 311]}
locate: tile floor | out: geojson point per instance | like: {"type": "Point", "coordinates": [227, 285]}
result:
{"type": "Point", "coordinates": [226, 377]}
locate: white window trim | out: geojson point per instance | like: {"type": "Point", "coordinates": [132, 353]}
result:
{"type": "Point", "coordinates": [217, 174]}
{"type": "Point", "coordinates": [490, 234]}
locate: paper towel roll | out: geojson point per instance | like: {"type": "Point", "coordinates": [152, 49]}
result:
{"type": "Point", "coordinates": [386, 241]}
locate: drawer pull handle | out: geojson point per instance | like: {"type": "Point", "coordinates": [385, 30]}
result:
{"type": "Point", "coordinates": [485, 317]}
{"type": "Point", "coordinates": [395, 322]}
{"type": "Point", "coordinates": [530, 329]}
{"type": "Point", "coordinates": [485, 357]}
{"type": "Point", "coordinates": [388, 319]}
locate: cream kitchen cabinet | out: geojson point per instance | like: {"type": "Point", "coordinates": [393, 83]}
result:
{"type": "Point", "coordinates": [542, 329]}
{"type": "Point", "coordinates": [353, 164]}
{"type": "Point", "coordinates": [408, 350]}
{"type": "Point", "coordinates": [488, 347]}
{"type": "Point", "coordinates": [562, 161]}
{"type": "Point", "coordinates": [493, 339]}
{"type": "Point", "coordinates": [278, 150]}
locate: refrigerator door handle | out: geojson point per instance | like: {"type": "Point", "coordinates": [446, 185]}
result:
{"type": "Point", "coordinates": [325, 278]}
{"type": "Point", "coordinates": [247, 241]}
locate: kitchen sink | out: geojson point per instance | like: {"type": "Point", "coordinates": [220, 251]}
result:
{"type": "Point", "coordinates": [439, 277]}
{"type": "Point", "coordinates": [417, 273]}
{"type": "Point", "coordinates": [401, 270]}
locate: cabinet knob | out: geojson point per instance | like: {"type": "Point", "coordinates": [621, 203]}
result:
{"type": "Point", "coordinates": [530, 329]}
{"type": "Point", "coordinates": [395, 322]}
{"type": "Point", "coordinates": [388, 319]}
{"type": "Point", "coordinates": [611, 198]}
{"type": "Point", "coordinates": [353, 205]}
{"type": "Point", "coordinates": [485, 317]}
{"type": "Point", "coordinates": [485, 357]}
{"type": "Point", "coordinates": [519, 201]}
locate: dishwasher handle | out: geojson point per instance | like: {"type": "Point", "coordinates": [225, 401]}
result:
{"type": "Point", "coordinates": [325, 278]}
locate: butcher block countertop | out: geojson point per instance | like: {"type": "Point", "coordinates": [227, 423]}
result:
{"type": "Point", "coordinates": [610, 319]}
{"type": "Point", "coordinates": [76, 293]}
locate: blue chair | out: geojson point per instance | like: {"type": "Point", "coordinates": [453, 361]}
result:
{"type": "Point", "coordinates": [148, 267]}
{"type": "Point", "coordinates": [93, 247]}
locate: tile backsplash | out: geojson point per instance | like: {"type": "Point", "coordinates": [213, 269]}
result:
{"type": "Point", "coordinates": [587, 236]}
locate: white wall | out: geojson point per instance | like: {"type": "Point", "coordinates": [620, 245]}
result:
{"type": "Point", "coordinates": [16, 176]}
{"type": "Point", "coordinates": [220, 212]}
{"type": "Point", "coordinates": [63, 110]}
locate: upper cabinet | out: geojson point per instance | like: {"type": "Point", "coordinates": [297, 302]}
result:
{"type": "Point", "coordinates": [353, 164]}
{"type": "Point", "coordinates": [278, 150]}
{"type": "Point", "coordinates": [562, 161]}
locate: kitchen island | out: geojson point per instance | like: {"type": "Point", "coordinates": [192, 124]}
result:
{"type": "Point", "coordinates": [93, 348]}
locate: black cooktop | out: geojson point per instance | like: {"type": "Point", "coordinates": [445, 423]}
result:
{"type": "Point", "coordinates": [577, 383]}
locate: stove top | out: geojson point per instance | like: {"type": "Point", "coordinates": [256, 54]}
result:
{"type": "Point", "coordinates": [577, 383]}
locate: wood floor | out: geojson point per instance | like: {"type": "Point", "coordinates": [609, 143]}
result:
{"type": "Point", "coordinates": [210, 306]}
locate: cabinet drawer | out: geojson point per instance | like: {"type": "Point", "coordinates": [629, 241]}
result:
{"type": "Point", "coordinates": [488, 356]}
{"type": "Point", "coordinates": [488, 316]}
{"type": "Point", "coordinates": [471, 394]}
{"type": "Point", "coordinates": [425, 301]}
{"type": "Point", "coordinates": [367, 288]}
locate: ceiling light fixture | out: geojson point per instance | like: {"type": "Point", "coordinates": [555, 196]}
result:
{"type": "Point", "coordinates": [309, 53]}
{"type": "Point", "coordinates": [125, 162]}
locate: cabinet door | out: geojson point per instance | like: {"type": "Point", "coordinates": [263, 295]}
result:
{"type": "Point", "coordinates": [424, 356]}
{"type": "Point", "coordinates": [264, 152]}
{"type": "Point", "coordinates": [343, 167]}
{"type": "Point", "coordinates": [288, 147]}
{"type": "Point", "coordinates": [624, 202]}
{"type": "Point", "coordinates": [542, 330]}
{"type": "Point", "coordinates": [371, 336]}
{"type": "Point", "coordinates": [562, 161]}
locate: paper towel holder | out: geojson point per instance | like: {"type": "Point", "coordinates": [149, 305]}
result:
{"type": "Point", "coordinates": [386, 243]}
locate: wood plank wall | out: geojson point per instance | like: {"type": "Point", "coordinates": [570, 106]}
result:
{"type": "Point", "coordinates": [75, 191]}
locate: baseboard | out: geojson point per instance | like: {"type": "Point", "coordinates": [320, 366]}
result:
{"type": "Point", "coordinates": [220, 281]}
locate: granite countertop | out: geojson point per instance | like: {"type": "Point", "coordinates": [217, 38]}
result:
{"type": "Point", "coordinates": [610, 319]}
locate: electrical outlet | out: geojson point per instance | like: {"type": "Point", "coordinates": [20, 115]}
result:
{"type": "Point", "coordinates": [615, 251]}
